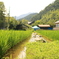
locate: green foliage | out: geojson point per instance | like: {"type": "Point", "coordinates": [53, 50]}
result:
{"type": "Point", "coordinates": [2, 15]}
{"type": "Point", "coordinates": [2, 7]}
{"type": "Point", "coordinates": [50, 18]}
{"type": "Point", "coordinates": [38, 50]}
{"type": "Point", "coordinates": [50, 7]}
{"type": "Point", "coordinates": [10, 38]}
{"type": "Point", "coordinates": [36, 23]}
{"type": "Point", "coordinates": [52, 35]}
{"type": "Point", "coordinates": [24, 21]}
{"type": "Point", "coordinates": [47, 50]}
{"type": "Point", "coordinates": [29, 16]}
{"type": "Point", "coordinates": [11, 23]}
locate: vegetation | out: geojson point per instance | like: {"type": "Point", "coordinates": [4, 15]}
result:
{"type": "Point", "coordinates": [7, 22]}
{"type": "Point", "coordinates": [11, 23]}
{"type": "Point", "coordinates": [38, 50]}
{"type": "Point", "coordinates": [10, 38]}
{"type": "Point", "coordinates": [50, 7]}
{"type": "Point", "coordinates": [29, 16]}
{"type": "Point", "coordinates": [2, 15]}
{"type": "Point", "coordinates": [49, 15]}
{"type": "Point", "coordinates": [49, 18]}
{"type": "Point", "coordinates": [36, 22]}
{"type": "Point", "coordinates": [52, 35]}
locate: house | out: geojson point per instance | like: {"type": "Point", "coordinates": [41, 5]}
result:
{"type": "Point", "coordinates": [57, 25]}
{"type": "Point", "coordinates": [35, 27]}
{"type": "Point", "coordinates": [29, 23]}
{"type": "Point", "coordinates": [45, 27]}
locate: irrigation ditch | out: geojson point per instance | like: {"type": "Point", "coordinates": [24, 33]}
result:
{"type": "Point", "coordinates": [19, 50]}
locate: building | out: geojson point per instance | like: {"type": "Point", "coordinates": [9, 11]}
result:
{"type": "Point", "coordinates": [35, 27]}
{"type": "Point", "coordinates": [45, 27]}
{"type": "Point", "coordinates": [57, 25]}
{"type": "Point", "coordinates": [29, 23]}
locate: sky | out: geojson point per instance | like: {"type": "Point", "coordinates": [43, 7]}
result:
{"type": "Point", "coordinates": [19, 7]}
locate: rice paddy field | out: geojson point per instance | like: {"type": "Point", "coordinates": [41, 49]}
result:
{"type": "Point", "coordinates": [49, 50]}
{"type": "Point", "coordinates": [50, 34]}
{"type": "Point", "coordinates": [9, 38]}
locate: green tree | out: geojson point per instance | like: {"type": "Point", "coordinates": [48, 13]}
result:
{"type": "Point", "coordinates": [2, 15]}
{"type": "Point", "coordinates": [24, 21]}
{"type": "Point", "coordinates": [12, 23]}
{"type": "Point", "coordinates": [36, 23]}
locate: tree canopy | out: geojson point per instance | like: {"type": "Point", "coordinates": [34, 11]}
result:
{"type": "Point", "coordinates": [50, 7]}
{"type": "Point", "coordinates": [2, 15]}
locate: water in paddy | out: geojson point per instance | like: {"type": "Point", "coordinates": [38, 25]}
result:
{"type": "Point", "coordinates": [19, 50]}
{"type": "Point", "coordinates": [15, 51]}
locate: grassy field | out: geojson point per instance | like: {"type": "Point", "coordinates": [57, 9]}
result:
{"type": "Point", "coordinates": [52, 35]}
{"type": "Point", "coordinates": [9, 38]}
{"type": "Point", "coordinates": [47, 50]}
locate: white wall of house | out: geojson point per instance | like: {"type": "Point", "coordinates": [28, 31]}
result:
{"type": "Point", "coordinates": [57, 25]}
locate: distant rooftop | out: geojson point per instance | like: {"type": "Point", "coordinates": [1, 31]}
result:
{"type": "Point", "coordinates": [29, 22]}
{"type": "Point", "coordinates": [44, 25]}
{"type": "Point", "coordinates": [57, 22]}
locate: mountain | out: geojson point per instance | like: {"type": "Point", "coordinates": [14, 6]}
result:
{"type": "Point", "coordinates": [49, 15]}
{"type": "Point", "coordinates": [50, 7]}
{"type": "Point", "coordinates": [22, 16]}
{"type": "Point", "coordinates": [28, 17]}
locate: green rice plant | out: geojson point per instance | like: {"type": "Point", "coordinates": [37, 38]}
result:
{"type": "Point", "coordinates": [51, 34]}
{"type": "Point", "coordinates": [47, 50]}
{"type": "Point", "coordinates": [43, 50]}
{"type": "Point", "coordinates": [9, 38]}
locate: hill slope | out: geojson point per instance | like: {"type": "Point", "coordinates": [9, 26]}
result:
{"type": "Point", "coordinates": [28, 17]}
{"type": "Point", "coordinates": [50, 7]}
{"type": "Point", "coordinates": [22, 16]}
{"type": "Point", "coordinates": [50, 18]}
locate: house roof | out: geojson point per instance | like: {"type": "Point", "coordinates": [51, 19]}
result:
{"type": "Point", "coordinates": [35, 27]}
{"type": "Point", "coordinates": [44, 25]}
{"type": "Point", "coordinates": [57, 22]}
{"type": "Point", "coordinates": [29, 22]}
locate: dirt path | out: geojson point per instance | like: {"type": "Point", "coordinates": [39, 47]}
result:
{"type": "Point", "coordinates": [34, 38]}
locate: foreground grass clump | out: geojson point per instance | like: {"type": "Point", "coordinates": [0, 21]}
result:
{"type": "Point", "coordinates": [9, 38]}
{"type": "Point", "coordinates": [50, 34]}
{"type": "Point", "coordinates": [43, 50]}
{"type": "Point", "coordinates": [47, 50]}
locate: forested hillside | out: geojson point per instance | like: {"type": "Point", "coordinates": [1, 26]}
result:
{"type": "Point", "coordinates": [49, 14]}
{"type": "Point", "coordinates": [29, 16]}
{"type": "Point", "coordinates": [50, 18]}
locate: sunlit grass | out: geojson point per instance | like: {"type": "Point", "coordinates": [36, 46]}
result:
{"type": "Point", "coordinates": [47, 50]}
{"type": "Point", "coordinates": [9, 38]}
{"type": "Point", "coordinates": [43, 50]}
{"type": "Point", "coordinates": [51, 34]}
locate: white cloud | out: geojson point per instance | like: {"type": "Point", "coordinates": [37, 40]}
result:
{"type": "Point", "coordinates": [18, 7]}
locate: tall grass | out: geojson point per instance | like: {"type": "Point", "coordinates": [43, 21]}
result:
{"type": "Point", "coordinates": [38, 50]}
{"type": "Point", "coordinates": [51, 34]}
{"type": "Point", "coordinates": [47, 50]}
{"type": "Point", "coordinates": [9, 38]}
